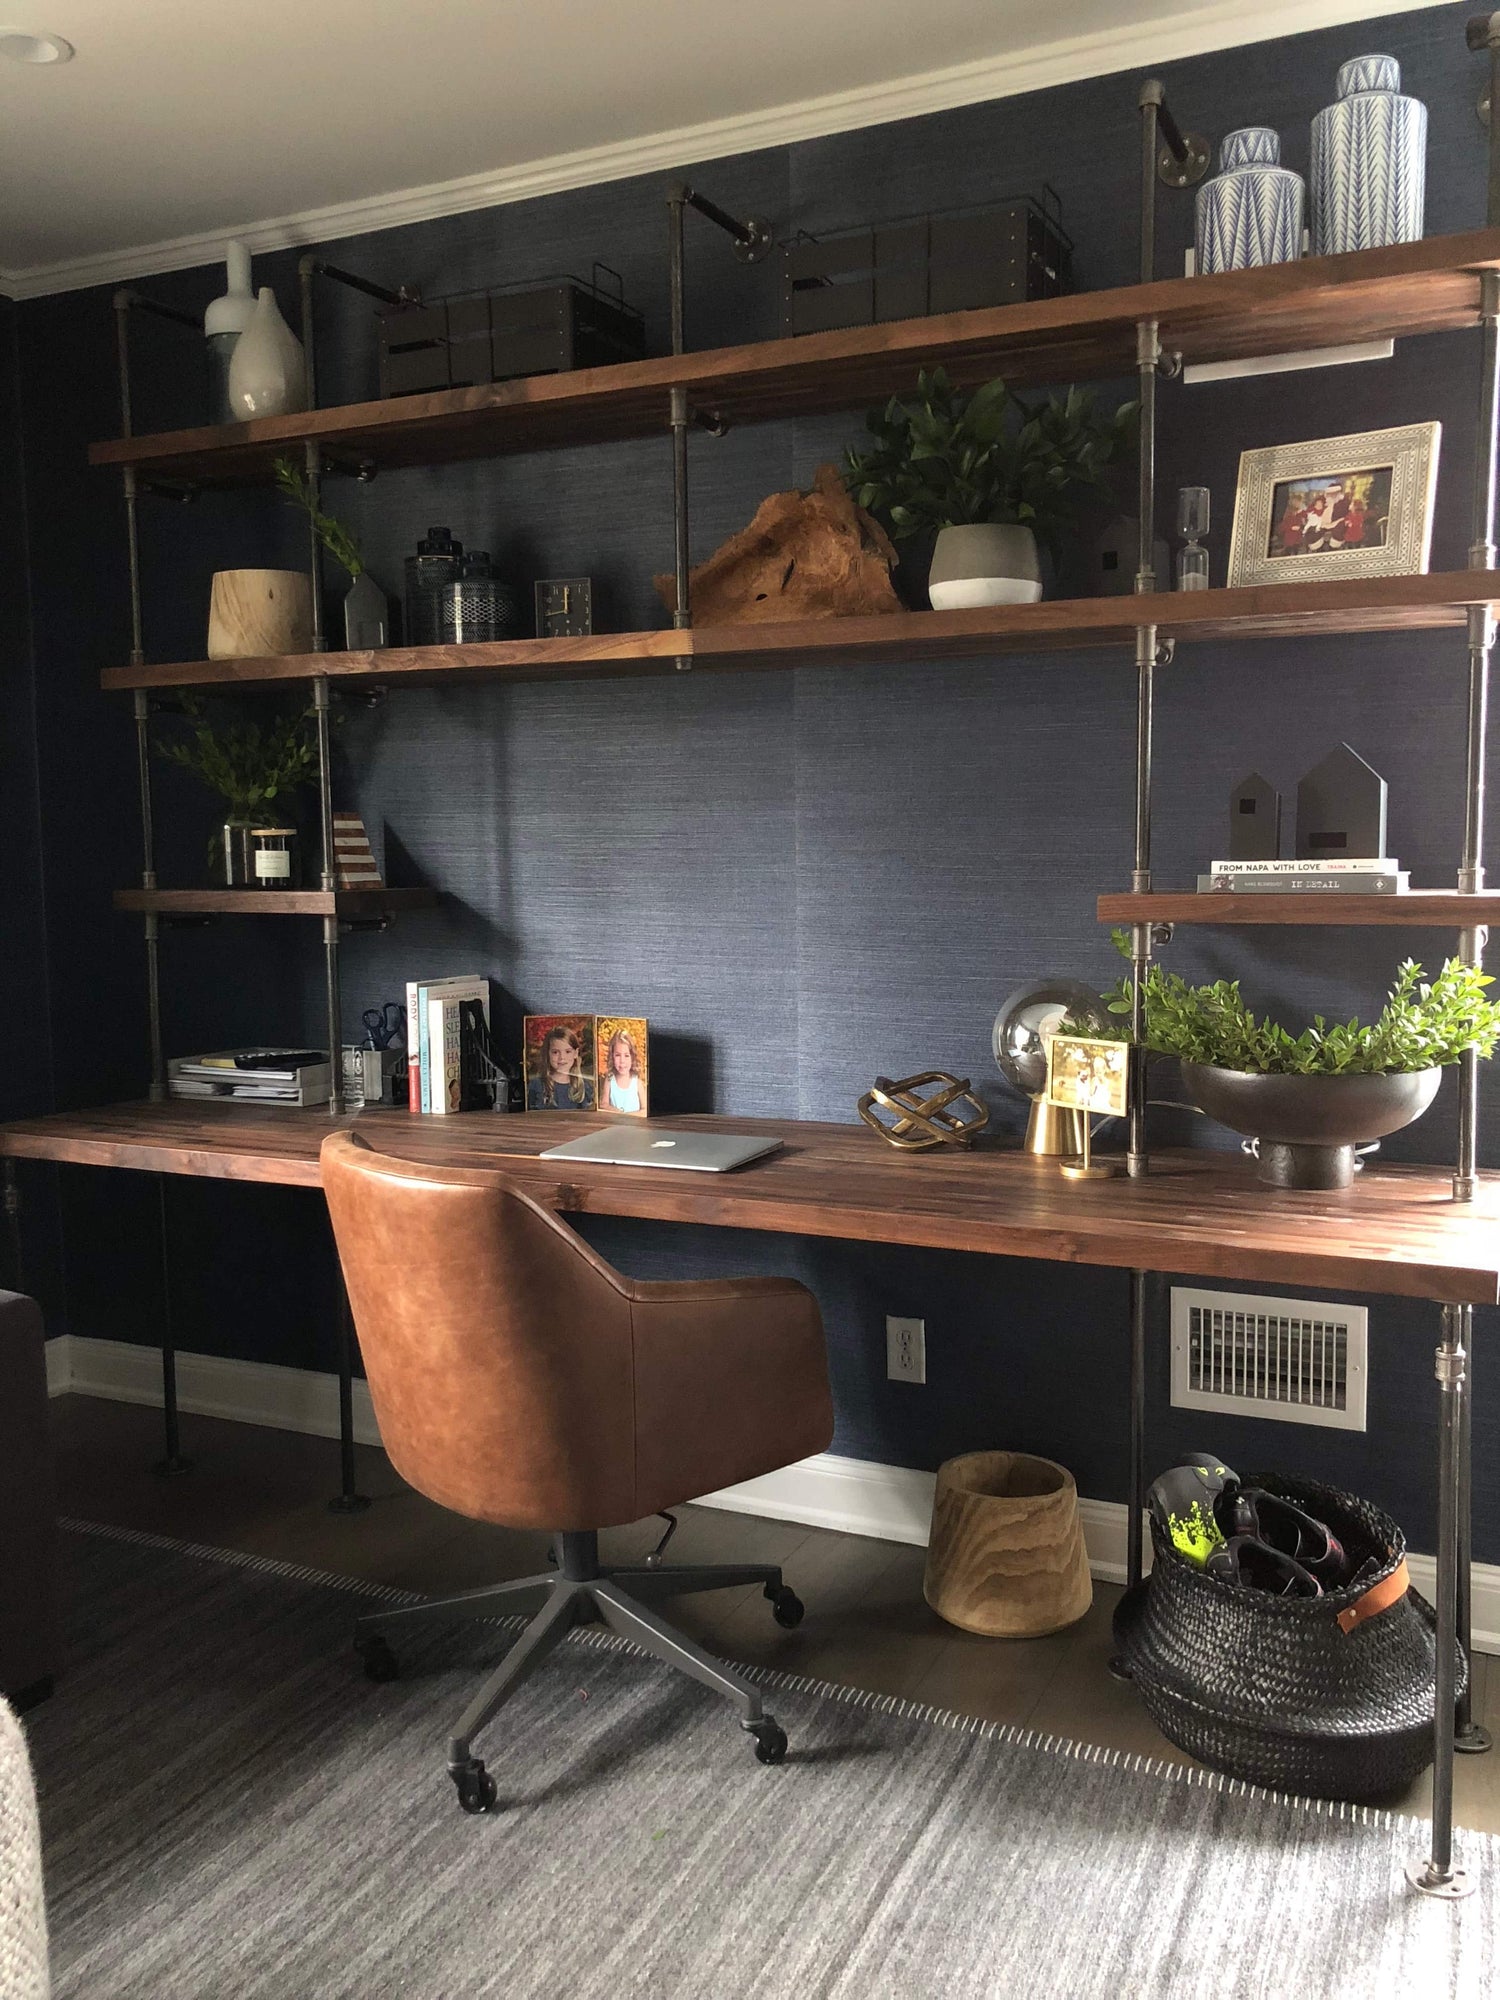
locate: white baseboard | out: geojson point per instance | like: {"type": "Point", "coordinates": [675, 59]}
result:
{"type": "Point", "coordinates": [891, 1503]}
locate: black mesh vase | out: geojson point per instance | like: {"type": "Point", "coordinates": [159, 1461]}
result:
{"type": "Point", "coordinates": [1272, 1689]}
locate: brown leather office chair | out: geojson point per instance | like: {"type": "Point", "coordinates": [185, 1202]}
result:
{"type": "Point", "coordinates": [519, 1379]}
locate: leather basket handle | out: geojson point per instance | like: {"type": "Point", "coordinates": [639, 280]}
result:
{"type": "Point", "coordinates": [1379, 1597]}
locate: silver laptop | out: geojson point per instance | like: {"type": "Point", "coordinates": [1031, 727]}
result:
{"type": "Point", "coordinates": [626, 1145]}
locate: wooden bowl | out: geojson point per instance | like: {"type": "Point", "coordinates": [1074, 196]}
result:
{"type": "Point", "coordinates": [1006, 1555]}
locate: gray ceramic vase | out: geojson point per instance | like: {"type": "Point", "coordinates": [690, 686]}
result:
{"type": "Point", "coordinates": [984, 564]}
{"type": "Point", "coordinates": [1251, 212]}
{"type": "Point", "coordinates": [1369, 161]}
{"type": "Point", "coordinates": [1309, 1126]}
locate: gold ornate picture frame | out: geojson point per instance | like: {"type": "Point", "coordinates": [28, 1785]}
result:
{"type": "Point", "coordinates": [1352, 506]}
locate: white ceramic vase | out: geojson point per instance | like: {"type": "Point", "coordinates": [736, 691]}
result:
{"type": "Point", "coordinates": [267, 374]}
{"type": "Point", "coordinates": [223, 323]}
{"type": "Point", "coordinates": [984, 564]}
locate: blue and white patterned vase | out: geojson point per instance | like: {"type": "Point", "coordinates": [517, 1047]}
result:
{"type": "Point", "coordinates": [1251, 213]}
{"type": "Point", "coordinates": [1369, 161]}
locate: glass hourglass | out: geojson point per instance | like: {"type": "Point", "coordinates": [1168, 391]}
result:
{"type": "Point", "coordinates": [1192, 525]}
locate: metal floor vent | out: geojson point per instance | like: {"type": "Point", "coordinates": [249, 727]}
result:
{"type": "Point", "coordinates": [1301, 1361]}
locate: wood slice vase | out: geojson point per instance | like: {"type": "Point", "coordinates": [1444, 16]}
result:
{"type": "Point", "coordinates": [254, 612]}
{"type": "Point", "coordinates": [1006, 1555]}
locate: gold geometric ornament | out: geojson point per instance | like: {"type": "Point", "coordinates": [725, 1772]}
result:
{"type": "Point", "coordinates": [947, 1116]}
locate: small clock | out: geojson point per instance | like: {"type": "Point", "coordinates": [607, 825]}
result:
{"type": "Point", "coordinates": [564, 607]}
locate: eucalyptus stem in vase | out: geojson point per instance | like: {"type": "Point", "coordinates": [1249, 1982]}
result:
{"type": "Point", "coordinates": [366, 612]}
{"type": "Point", "coordinates": [256, 763]}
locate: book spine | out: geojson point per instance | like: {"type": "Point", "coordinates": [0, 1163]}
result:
{"type": "Point", "coordinates": [413, 1064]}
{"type": "Point", "coordinates": [1365, 865]}
{"type": "Point", "coordinates": [424, 1049]}
{"type": "Point", "coordinates": [1315, 885]}
{"type": "Point", "coordinates": [450, 1076]}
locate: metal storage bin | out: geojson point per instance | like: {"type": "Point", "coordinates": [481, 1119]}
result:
{"type": "Point", "coordinates": [543, 329]}
{"type": "Point", "coordinates": [992, 256]}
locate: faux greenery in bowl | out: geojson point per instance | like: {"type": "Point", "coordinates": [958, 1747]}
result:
{"type": "Point", "coordinates": [257, 763]}
{"type": "Point", "coordinates": [990, 474]}
{"type": "Point", "coordinates": [1311, 1098]}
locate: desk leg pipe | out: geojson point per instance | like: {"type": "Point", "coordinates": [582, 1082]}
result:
{"type": "Point", "coordinates": [1135, 1529]}
{"type": "Point", "coordinates": [1437, 1876]}
{"type": "Point", "coordinates": [349, 1499]}
{"type": "Point", "coordinates": [172, 1463]}
{"type": "Point", "coordinates": [1470, 1738]}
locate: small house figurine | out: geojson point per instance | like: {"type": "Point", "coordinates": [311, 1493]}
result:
{"type": "Point", "coordinates": [1254, 820]}
{"type": "Point", "coordinates": [1341, 808]}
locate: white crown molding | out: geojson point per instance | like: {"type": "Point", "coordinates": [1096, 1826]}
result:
{"type": "Point", "coordinates": [892, 1503]}
{"type": "Point", "coordinates": [1150, 44]}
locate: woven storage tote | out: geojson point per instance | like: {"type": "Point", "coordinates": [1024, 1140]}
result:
{"type": "Point", "coordinates": [1273, 1689]}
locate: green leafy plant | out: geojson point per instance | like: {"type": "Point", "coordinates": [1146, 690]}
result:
{"type": "Point", "coordinates": [947, 460]}
{"type": "Point", "coordinates": [1422, 1025]}
{"type": "Point", "coordinates": [292, 484]}
{"type": "Point", "coordinates": [251, 761]}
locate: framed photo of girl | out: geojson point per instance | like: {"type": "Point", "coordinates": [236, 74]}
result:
{"type": "Point", "coordinates": [624, 1071]}
{"type": "Point", "coordinates": [1346, 506]}
{"type": "Point", "coordinates": [558, 1055]}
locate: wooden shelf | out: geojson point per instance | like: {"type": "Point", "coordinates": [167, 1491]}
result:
{"type": "Point", "coordinates": [1412, 288]}
{"type": "Point", "coordinates": [277, 902]}
{"type": "Point", "coordinates": [1276, 611]}
{"type": "Point", "coordinates": [1202, 1214]}
{"type": "Point", "coordinates": [1437, 908]}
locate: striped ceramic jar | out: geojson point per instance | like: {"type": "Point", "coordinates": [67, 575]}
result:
{"type": "Point", "coordinates": [1251, 212]}
{"type": "Point", "coordinates": [1369, 161]}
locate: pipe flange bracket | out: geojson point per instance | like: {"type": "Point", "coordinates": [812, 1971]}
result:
{"type": "Point", "coordinates": [1166, 652]}
{"type": "Point", "coordinates": [757, 243]}
{"type": "Point", "coordinates": [1169, 364]}
{"type": "Point", "coordinates": [1161, 935]}
{"type": "Point", "coordinates": [1189, 170]}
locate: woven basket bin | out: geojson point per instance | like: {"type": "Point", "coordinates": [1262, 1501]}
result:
{"type": "Point", "coordinates": [1272, 1689]}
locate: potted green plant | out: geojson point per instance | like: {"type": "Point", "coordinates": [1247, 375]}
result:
{"type": "Point", "coordinates": [1310, 1099]}
{"type": "Point", "coordinates": [989, 475]}
{"type": "Point", "coordinates": [366, 613]}
{"type": "Point", "coordinates": [255, 762]}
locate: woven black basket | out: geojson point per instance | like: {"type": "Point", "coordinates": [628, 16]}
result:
{"type": "Point", "coordinates": [1272, 1689]}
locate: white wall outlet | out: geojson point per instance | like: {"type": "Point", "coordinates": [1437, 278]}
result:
{"type": "Point", "coordinates": [906, 1350]}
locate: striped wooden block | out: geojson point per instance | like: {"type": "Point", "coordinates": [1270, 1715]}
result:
{"type": "Point", "coordinates": [353, 861]}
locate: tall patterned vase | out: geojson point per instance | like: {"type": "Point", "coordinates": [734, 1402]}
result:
{"type": "Point", "coordinates": [1251, 213]}
{"type": "Point", "coordinates": [1369, 161]}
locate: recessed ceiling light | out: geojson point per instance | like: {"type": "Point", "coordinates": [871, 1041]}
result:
{"type": "Point", "coordinates": [24, 48]}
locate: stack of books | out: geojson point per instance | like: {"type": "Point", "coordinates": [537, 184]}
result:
{"type": "Point", "coordinates": [299, 1077]}
{"type": "Point", "coordinates": [449, 1061]}
{"type": "Point", "coordinates": [1354, 877]}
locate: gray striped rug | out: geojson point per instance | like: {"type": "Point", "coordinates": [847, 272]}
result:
{"type": "Point", "coordinates": [230, 1810]}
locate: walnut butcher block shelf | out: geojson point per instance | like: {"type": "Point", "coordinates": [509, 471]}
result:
{"type": "Point", "coordinates": [1413, 288]}
{"type": "Point", "coordinates": [1436, 908]}
{"type": "Point", "coordinates": [276, 902]}
{"type": "Point", "coordinates": [1201, 1214]}
{"type": "Point", "coordinates": [1277, 611]}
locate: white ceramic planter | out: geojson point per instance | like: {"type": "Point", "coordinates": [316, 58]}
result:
{"type": "Point", "coordinates": [984, 564]}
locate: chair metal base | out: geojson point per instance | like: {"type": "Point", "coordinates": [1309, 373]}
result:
{"type": "Point", "coordinates": [580, 1592]}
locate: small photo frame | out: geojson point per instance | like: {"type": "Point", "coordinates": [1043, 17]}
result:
{"type": "Point", "coordinates": [558, 1060]}
{"type": "Point", "coordinates": [620, 1041]}
{"type": "Point", "coordinates": [1088, 1075]}
{"type": "Point", "coordinates": [1346, 506]}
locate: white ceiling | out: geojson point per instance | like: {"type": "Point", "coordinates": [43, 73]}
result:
{"type": "Point", "coordinates": [179, 121]}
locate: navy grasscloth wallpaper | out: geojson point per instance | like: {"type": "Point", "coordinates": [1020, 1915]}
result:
{"type": "Point", "coordinates": [746, 859]}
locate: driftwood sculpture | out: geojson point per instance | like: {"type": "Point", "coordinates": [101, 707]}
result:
{"type": "Point", "coordinates": [805, 555]}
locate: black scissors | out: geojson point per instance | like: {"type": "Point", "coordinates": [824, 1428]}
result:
{"type": "Point", "coordinates": [384, 1025]}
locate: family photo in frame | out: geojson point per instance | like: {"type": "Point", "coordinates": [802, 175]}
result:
{"type": "Point", "coordinates": [1347, 506]}
{"type": "Point", "coordinates": [586, 1062]}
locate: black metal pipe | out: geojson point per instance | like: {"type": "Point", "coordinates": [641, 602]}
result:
{"type": "Point", "coordinates": [408, 295]}
{"type": "Point", "coordinates": [742, 232]}
{"type": "Point", "coordinates": [1152, 101]}
{"type": "Point", "coordinates": [132, 301]}
{"type": "Point", "coordinates": [349, 1499]}
{"type": "Point", "coordinates": [172, 1462]}
{"type": "Point", "coordinates": [1439, 1870]}
{"type": "Point", "coordinates": [1482, 31]}
{"type": "Point", "coordinates": [1135, 1527]}
{"type": "Point", "coordinates": [13, 1222]}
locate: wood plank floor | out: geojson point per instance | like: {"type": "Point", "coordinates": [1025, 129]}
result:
{"type": "Point", "coordinates": [867, 1625]}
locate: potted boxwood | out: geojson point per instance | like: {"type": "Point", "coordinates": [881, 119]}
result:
{"type": "Point", "coordinates": [255, 762]}
{"type": "Point", "coordinates": [988, 475]}
{"type": "Point", "coordinates": [1310, 1099]}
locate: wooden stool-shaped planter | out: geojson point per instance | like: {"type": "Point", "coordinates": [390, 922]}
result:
{"type": "Point", "coordinates": [1006, 1555]}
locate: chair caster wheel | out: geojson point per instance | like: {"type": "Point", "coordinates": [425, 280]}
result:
{"type": "Point", "coordinates": [787, 1607]}
{"type": "Point", "coordinates": [476, 1788]}
{"type": "Point", "coordinates": [380, 1662]}
{"type": "Point", "coordinates": [770, 1740]}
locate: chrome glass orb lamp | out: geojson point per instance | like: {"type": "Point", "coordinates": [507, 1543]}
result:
{"type": "Point", "coordinates": [1028, 1018]}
